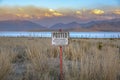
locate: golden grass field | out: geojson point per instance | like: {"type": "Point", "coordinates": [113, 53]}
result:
{"type": "Point", "coordinates": [37, 59]}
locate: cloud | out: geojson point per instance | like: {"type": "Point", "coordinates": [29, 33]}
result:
{"type": "Point", "coordinates": [117, 11]}
{"type": "Point", "coordinates": [78, 12]}
{"type": "Point", "coordinates": [55, 13]}
{"type": "Point", "coordinates": [31, 12]}
{"type": "Point", "coordinates": [97, 11]}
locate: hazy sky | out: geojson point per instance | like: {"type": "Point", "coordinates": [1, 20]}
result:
{"type": "Point", "coordinates": [49, 12]}
{"type": "Point", "coordinates": [54, 4]}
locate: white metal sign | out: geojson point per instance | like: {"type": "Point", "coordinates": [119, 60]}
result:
{"type": "Point", "coordinates": [60, 38]}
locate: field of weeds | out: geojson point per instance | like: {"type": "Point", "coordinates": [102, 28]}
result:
{"type": "Point", "coordinates": [37, 59]}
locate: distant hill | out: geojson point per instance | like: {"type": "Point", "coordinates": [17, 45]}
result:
{"type": "Point", "coordinates": [110, 25]}
{"type": "Point", "coordinates": [104, 25]}
{"type": "Point", "coordinates": [24, 25]}
{"type": "Point", "coordinates": [19, 25]}
{"type": "Point", "coordinates": [71, 25]}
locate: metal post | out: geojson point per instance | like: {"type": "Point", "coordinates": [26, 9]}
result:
{"type": "Point", "coordinates": [61, 64]}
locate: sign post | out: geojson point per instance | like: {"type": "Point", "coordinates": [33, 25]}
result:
{"type": "Point", "coordinates": [60, 39]}
{"type": "Point", "coordinates": [61, 64]}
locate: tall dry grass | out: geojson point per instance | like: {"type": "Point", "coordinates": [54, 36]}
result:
{"type": "Point", "coordinates": [41, 67]}
{"type": "Point", "coordinates": [5, 64]}
{"type": "Point", "coordinates": [83, 59]}
{"type": "Point", "coordinates": [89, 62]}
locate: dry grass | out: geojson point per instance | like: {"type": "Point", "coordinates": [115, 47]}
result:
{"type": "Point", "coordinates": [83, 59]}
{"type": "Point", "coordinates": [5, 64]}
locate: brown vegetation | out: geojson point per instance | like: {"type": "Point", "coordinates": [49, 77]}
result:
{"type": "Point", "coordinates": [37, 59]}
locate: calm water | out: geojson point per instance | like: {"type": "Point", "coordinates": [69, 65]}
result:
{"type": "Point", "coordinates": [72, 34]}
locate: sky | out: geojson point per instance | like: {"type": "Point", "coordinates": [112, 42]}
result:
{"type": "Point", "coordinates": [55, 4]}
{"type": "Point", "coordinates": [49, 12]}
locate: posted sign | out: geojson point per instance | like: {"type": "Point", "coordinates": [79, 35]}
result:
{"type": "Point", "coordinates": [60, 38]}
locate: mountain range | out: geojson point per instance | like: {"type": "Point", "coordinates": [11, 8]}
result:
{"type": "Point", "coordinates": [104, 25]}
{"type": "Point", "coordinates": [19, 25]}
{"type": "Point", "coordinates": [26, 25]}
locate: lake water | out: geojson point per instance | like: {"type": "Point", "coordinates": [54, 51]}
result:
{"type": "Point", "coordinates": [71, 34]}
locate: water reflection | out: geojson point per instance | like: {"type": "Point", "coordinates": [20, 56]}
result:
{"type": "Point", "coordinates": [71, 34]}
